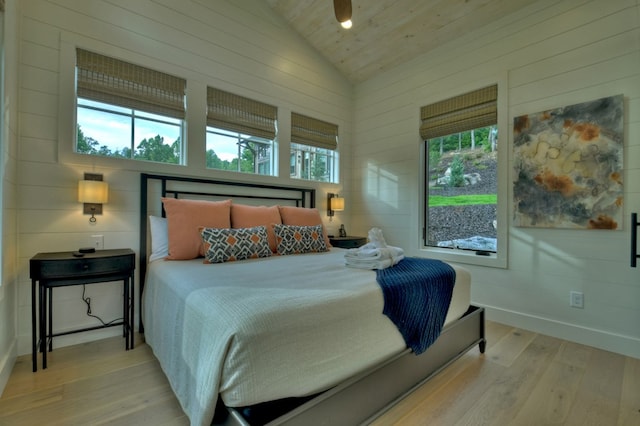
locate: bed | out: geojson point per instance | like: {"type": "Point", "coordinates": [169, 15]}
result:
{"type": "Point", "coordinates": [296, 339]}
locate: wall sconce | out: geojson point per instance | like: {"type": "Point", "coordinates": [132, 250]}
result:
{"type": "Point", "coordinates": [335, 203]}
{"type": "Point", "coordinates": [93, 192]}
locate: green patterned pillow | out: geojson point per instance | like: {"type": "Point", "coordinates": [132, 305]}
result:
{"type": "Point", "coordinates": [224, 244]}
{"type": "Point", "coordinates": [291, 239]}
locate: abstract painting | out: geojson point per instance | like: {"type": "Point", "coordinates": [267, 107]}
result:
{"type": "Point", "coordinates": [568, 166]}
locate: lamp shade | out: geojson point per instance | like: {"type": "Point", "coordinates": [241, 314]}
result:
{"type": "Point", "coordinates": [342, 10]}
{"type": "Point", "coordinates": [93, 192]}
{"type": "Point", "coordinates": [337, 204]}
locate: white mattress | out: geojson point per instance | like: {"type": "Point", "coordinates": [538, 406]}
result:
{"type": "Point", "coordinates": [258, 330]}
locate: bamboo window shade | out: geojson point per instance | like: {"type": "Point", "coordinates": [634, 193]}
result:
{"type": "Point", "coordinates": [469, 111]}
{"type": "Point", "coordinates": [239, 114]}
{"type": "Point", "coordinates": [104, 79]}
{"type": "Point", "coordinates": [310, 131]}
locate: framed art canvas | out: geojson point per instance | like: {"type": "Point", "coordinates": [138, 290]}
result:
{"type": "Point", "coordinates": [568, 166]}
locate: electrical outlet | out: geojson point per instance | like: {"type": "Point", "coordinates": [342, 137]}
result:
{"type": "Point", "coordinates": [97, 242]}
{"type": "Point", "coordinates": [576, 299]}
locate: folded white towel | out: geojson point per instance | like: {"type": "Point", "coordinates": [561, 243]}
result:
{"type": "Point", "coordinates": [367, 251]}
{"type": "Point", "coordinates": [376, 254]}
{"type": "Point", "coordinates": [372, 264]}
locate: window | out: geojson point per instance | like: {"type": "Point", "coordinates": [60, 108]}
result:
{"type": "Point", "coordinates": [311, 163]}
{"type": "Point", "coordinates": [241, 134]}
{"type": "Point", "coordinates": [128, 111]}
{"type": "Point", "coordinates": [313, 149]}
{"type": "Point", "coordinates": [461, 136]}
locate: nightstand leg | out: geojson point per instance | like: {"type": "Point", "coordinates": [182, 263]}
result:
{"type": "Point", "coordinates": [132, 315]}
{"type": "Point", "coordinates": [34, 349]}
{"type": "Point", "coordinates": [50, 319]}
{"type": "Point", "coordinates": [125, 313]}
{"type": "Point", "coordinates": [124, 309]}
{"type": "Point", "coordinates": [43, 324]}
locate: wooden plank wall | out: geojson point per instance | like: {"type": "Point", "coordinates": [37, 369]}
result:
{"type": "Point", "coordinates": [549, 54]}
{"type": "Point", "coordinates": [238, 46]}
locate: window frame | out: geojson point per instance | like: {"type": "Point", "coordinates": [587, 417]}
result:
{"type": "Point", "coordinates": [334, 159]}
{"type": "Point", "coordinates": [132, 91]}
{"type": "Point", "coordinates": [67, 111]}
{"type": "Point", "coordinates": [271, 142]}
{"type": "Point", "coordinates": [314, 134]}
{"type": "Point", "coordinates": [427, 158]}
{"type": "Point", "coordinates": [469, 257]}
{"type": "Point", "coordinates": [239, 115]}
{"type": "Point", "coordinates": [195, 122]}
{"type": "Point", "coordinates": [133, 115]}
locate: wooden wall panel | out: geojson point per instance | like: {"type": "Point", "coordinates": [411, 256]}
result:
{"type": "Point", "coordinates": [552, 54]}
{"type": "Point", "coordinates": [240, 46]}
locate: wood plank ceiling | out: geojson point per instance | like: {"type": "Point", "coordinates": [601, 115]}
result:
{"type": "Point", "coordinates": [386, 33]}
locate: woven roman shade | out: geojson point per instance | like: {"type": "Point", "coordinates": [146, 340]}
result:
{"type": "Point", "coordinates": [310, 131]}
{"type": "Point", "coordinates": [239, 114]}
{"type": "Point", "coordinates": [461, 113]}
{"type": "Point", "coordinates": [112, 81]}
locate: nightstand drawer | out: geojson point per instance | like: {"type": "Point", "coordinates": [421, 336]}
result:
{"type": "Point", "coordinates": [69, 268]}
{"type": "Point", "coordinates": [348, 242]}
{"type": "Point", "coordinates": [49, 266]}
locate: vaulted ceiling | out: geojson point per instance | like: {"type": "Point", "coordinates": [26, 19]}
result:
{"type": "Point", "coordinates": [386, 33]}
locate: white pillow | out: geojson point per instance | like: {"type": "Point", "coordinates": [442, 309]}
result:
{"type": "Point", "coordinates": [159, 238]}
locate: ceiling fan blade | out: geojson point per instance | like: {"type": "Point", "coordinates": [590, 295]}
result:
{"type": "Point", "coordinates": [342, 9]}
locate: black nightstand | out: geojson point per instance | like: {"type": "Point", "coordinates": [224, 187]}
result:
{"type": "Point", "coordinates": [348, 242]}
{"type": "Point", "coordinates": [62, 269]}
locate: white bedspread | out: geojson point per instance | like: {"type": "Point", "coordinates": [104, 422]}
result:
{"type": "Point", "coordinates": [270, 328]}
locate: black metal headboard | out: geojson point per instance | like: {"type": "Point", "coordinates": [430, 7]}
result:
{"type": "Point", "coordinates": [153, 187]}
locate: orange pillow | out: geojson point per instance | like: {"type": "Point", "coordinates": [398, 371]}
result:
{"type": "Point", "coordinates": [302, 216]}
{"type": "Point", "coordinates": [243, 216]}
{"type": "Point", "coordinates": [185, 217]}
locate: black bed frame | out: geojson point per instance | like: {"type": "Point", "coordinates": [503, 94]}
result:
{"type": "Point", "coordinates": [153, 187]}
{"type": "Point", "coordinates": [358, 400]}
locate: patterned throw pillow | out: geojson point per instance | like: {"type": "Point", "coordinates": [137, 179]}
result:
{"type": "Point", "coordinates": [291, 239]}
{"type": "Point", "coordinates": [224, 244]}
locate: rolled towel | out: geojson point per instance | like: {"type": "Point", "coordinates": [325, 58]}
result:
{"type": "Point", "coordinates": [376, 254]}
{"type": "Point", "coordinates": [376, 238]}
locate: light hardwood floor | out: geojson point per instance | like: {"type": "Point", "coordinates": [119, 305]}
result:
{"type": "Point", "coordinates": [523, 379]}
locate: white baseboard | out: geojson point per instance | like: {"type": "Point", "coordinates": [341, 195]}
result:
{"type": "Point", "coordinates": [6, 365]}
{"type": "Point", "coordinates": [618, 343]}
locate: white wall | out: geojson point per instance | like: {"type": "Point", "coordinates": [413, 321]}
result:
{"type": "Point", "coordinates": [240, 46]}
{"type": "Point", "coordinates": [8, 156]}
{"type": "Point", "coordinates": [551, 54]}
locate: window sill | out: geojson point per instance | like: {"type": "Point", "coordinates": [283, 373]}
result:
{"type": "Point", "coordinates": [469, 257]}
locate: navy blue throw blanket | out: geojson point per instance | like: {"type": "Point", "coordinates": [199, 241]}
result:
{"type": "Point", "coordinates": [417, 293]}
